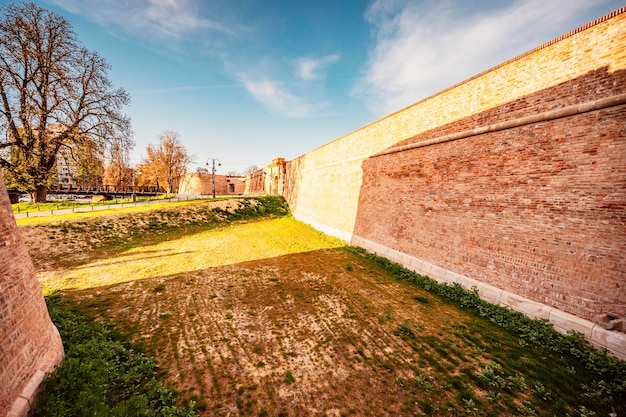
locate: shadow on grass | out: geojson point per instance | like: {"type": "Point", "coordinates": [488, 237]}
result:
{"type": "Point", "coordinates": [73, 243]}
{"type": "Point", "coordinates": [237, 243]}
{"type": "Point", "coordinates": [118, 262]}
{"type": "Point", "coordinates": [348, 335]}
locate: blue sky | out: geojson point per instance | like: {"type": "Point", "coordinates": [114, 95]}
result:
{"type": "Point", "coordinates": [246, 81]}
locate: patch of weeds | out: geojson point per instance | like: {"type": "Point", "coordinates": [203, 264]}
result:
{"type": "Point", "coordinates": [541, 392]}
{"type": "Point", "coordinates": [491, 377]}
{"type": "Point", "coordinates": [387, 316]}
{"type": "Point", "coordinates": [424, 382]}
{"type": "Point", "coordinates": [427, 407]}
{"type": "Point", "coordinates": [260, 364]}
{"type": "Point", "coordinates": [517, 383]}
{"type": "Point", "coordinates": [289, 378]}
{"type": "Point", "coordinates": [228, 316]}
{"type": "Point", "coordinates": [159, 288]}
{"type": "Point", "coordinates": [421, 299]}
{"type": "Point", "coordinates": [100, 375]}
{"type": "Point", "coordinates": [597, 370]}
{"type": "Point", "coordinates": [349, 267]}
{"type": "Point", "coordinates": [405, 330]}
{"type": "Point", "coordinates": [470, 407]}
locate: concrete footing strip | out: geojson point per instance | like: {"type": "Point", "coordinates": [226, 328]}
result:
{"type": "Point", "coordinates": [563, 322]}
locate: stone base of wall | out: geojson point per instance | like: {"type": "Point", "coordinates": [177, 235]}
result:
{"type": "Point", "coordinates": [26, 399]}
{"type": "Point", "coordinates": [563, 322]}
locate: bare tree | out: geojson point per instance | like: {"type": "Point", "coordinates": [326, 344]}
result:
{"type": "Point", "coordinates": [250, 170]}
{"type": "Point", "coordinates": [88, 162]}
{"type": "Point", "coordinates": [165, 164]}
{"type": "Point", "coordinates": [118, 172]}
{"type": "Point", "coordinates": [55, 97]}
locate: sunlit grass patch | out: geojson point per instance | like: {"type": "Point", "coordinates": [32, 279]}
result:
{"type": "Point", "coordinates": [226, 245]}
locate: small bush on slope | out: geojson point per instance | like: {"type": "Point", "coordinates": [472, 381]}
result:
{"type": "Point", "coordinates": [101, 376]}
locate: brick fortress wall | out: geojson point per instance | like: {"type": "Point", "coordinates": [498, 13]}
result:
{"type": "Point", "coordinates": [202, 183]}
{"type": "Point", "coordinates": [513, 181]}
{"type": "Point", "coordinates": [30, 345]}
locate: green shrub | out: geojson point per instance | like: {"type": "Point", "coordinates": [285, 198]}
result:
{"type": "Point", "coordinates": [289, 378]}
{"type": "Point", "coordinates": [100, 375]}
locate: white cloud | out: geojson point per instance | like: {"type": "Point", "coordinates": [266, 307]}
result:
{"type": "Point", "coordinates": [153, 20]}
{"type": "Point", "coordinates": [278, 98]}
{"type": "Point", "coordinates": [310, 69]}
{"type": "Point", "coordinates": [183, 89]}
{"type": "Point", "coordinates": [424, 47]}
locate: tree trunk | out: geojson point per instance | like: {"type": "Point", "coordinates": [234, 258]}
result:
{"type": "Point", "coordinates": [40, 195]}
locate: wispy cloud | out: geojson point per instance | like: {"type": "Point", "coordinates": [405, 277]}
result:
{"type": "Point", "coordinates": [311, 69]}
{"type": "Point", "coordinates": [153, 20]}
{"type": "Point", "coordinates": [423, 47]}
{"type": "Point", "coordinates": [278, 98]}
{"type": "Point", "coordinates": [183, 89]}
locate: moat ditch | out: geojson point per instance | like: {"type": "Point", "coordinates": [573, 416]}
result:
{"type": "Point", "coordinates": [250, 312]}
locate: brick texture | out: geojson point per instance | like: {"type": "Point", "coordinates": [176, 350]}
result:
{"type": "Point", "coordinates": [202, 183]}
{"type": "Point", "coordinates": [30, 344]}
{"type": "Point", "coordinates": [323, 185]}
{"type": "Point", "coordinates": [537, 210]}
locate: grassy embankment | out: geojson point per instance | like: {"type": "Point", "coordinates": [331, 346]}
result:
{"type": "Point", "coordinates": [269, 317]}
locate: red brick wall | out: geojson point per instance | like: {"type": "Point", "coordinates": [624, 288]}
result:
{"type": "Point", "coordinates": [322, 186]}
{"type": "Point", "coordinates": [536, 210]}
{"type": "Point", "coordinates": [30, 344]}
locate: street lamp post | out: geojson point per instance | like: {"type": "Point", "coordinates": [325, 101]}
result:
{"type": "Point", "coordinates": [213, 161]}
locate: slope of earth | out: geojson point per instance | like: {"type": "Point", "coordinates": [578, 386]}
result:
{"type": "Point", "coordinates": [272, 318]}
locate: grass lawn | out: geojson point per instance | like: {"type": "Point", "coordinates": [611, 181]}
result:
{"type": "Point", "coordinates": [264, 316]}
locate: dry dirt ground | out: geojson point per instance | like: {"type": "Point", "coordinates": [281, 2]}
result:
{"type": "Point", "coordinates": [328, 332]}
{"type": "Point", "coordinates": [302, 334]}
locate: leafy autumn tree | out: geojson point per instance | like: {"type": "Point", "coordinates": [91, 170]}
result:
{"type": "Point", "coordinates": [118, 175]}
{"type": "Point", "coordinates": [55, 97]}
{"type": "Point", "coordinates": [165, 164]}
